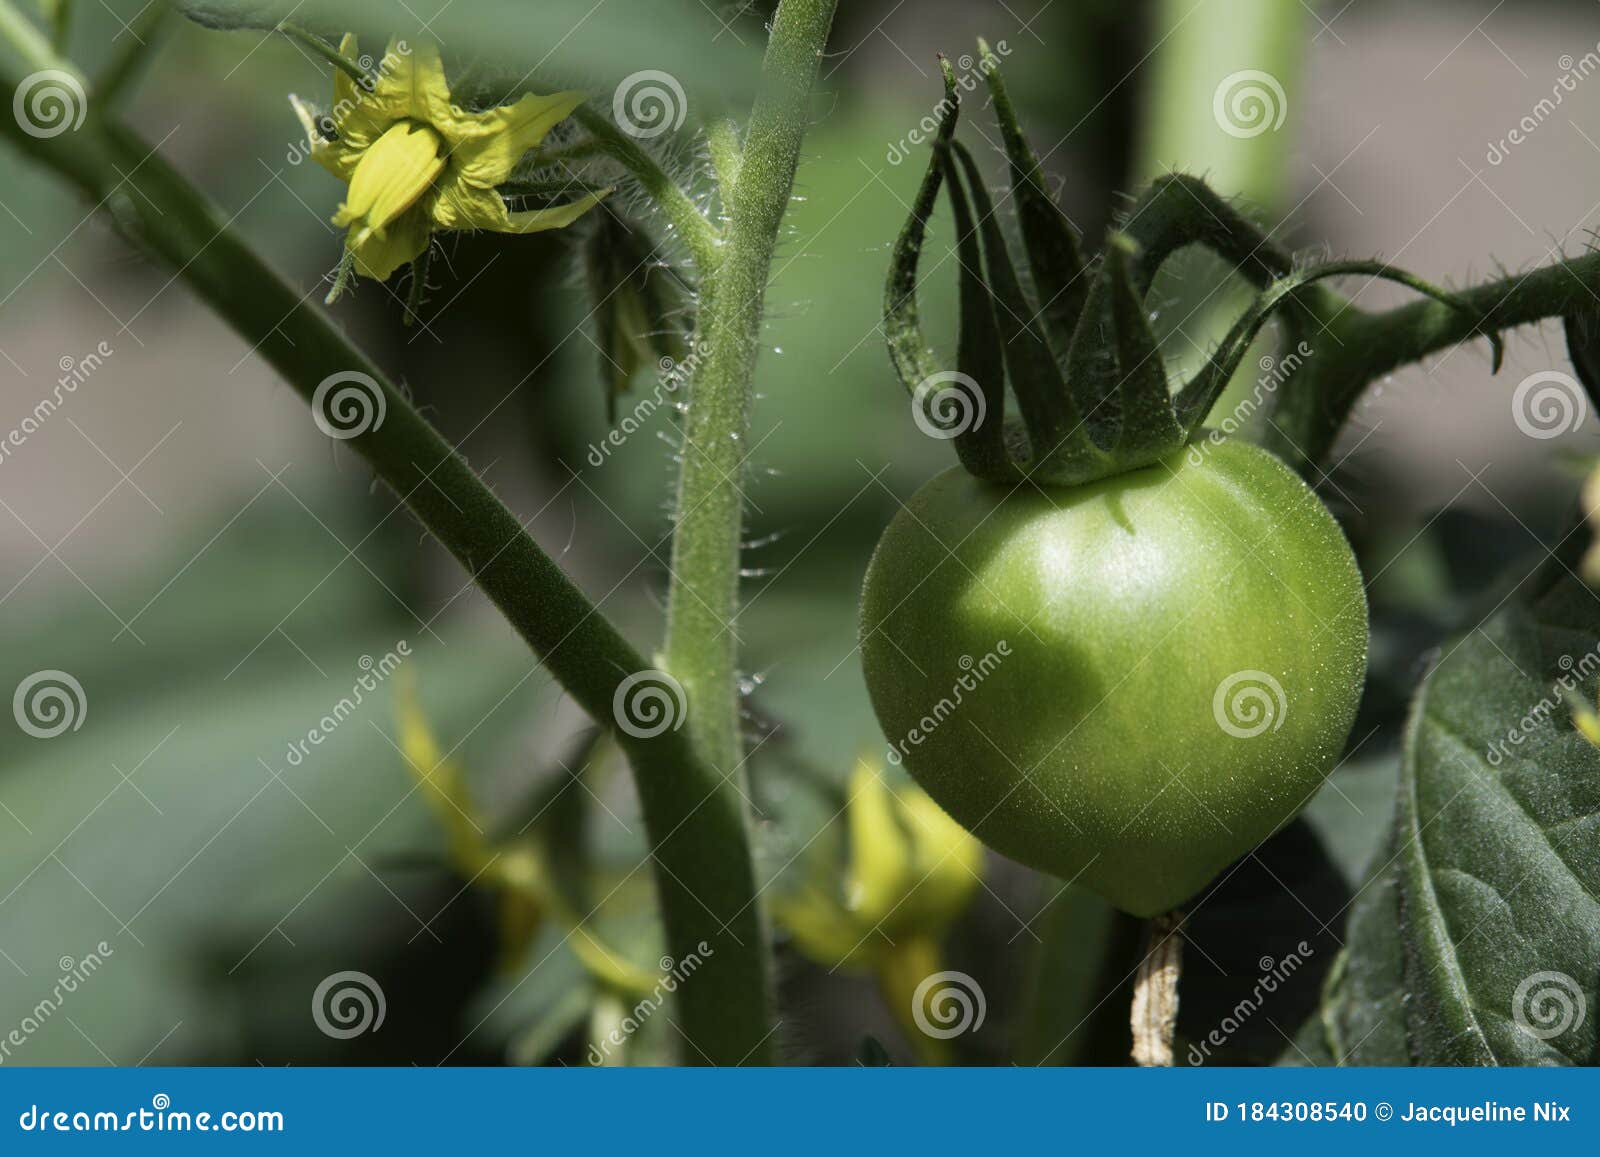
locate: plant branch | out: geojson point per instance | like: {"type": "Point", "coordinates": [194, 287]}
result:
{"type": "Point", "coordinates": [701, 646]}
{"type": "Point", "coordinates": [699, 846]}
{"type": "Point", "coordinates": [698, 233]}
{"type": "Point", "coordinates": [1359, 347]}
{"type": "Point", "coordinates": [328, 52]}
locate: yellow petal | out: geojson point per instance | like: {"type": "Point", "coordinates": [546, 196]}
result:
{"type": "Point", "coordinates": [411, 84]}
{"type": "Point", "coordinates": [822, 930]}
{"type": "Point", "coordinates": [878, 852]}
{"type": "Point", "coordinates": [390, 177]}
{"type": "Point", "coordinates": [439, 779]}
{"type": "Point", "coordinates": [556, 217]}
{"type": "Point", "coordinates": [462, 206]}
{"type": "Point", "coordinates": [488, 145]}
{"type": "Point", "coordinates": [337, 158]}
{"type": "Point", "coordinates": [459, 205]}
{"type": "Point", "coordinates": [403, 241]}
{"type": "Point", "coordinates": [947, 863]}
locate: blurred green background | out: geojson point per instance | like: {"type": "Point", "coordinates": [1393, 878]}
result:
{"type": "Point", "coordinates": [181, 539]}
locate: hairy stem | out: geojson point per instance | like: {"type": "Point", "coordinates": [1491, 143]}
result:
{"type": "Point", "coordinates": [699, 235]}
{"type": "Point", "coordinates": [699, 846]}
{"type": "Point", "coordinates": [1358, 347]}
{"type": "Point", "coordinates": [701, 645]}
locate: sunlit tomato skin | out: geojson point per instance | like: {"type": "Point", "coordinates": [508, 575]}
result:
{"type": "Point", "coordinates": [1127, 684]}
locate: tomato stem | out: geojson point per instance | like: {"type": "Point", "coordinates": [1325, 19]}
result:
{"type": "Point", "coordinates": [1154, 1015]}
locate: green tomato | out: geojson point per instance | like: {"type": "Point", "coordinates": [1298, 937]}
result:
{"type": "Point", "coordinates": [1128, 684]}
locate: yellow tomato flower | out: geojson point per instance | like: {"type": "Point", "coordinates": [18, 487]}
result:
{"type": "Point", "coordinates": [513, 871]}
{"type": "Point", "coordinates": [418, 164]}
{"type": "Point", "coordinates": [912, 871]}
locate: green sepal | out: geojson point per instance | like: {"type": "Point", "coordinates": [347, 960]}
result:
{"type": "Point", "coordinates": [1148, 426]}
{"type": "Point", "coordinates": [1052, 420]}
{"type": "Point", "coordinates": [1177, 211]}
{"type": "Point", "coordinates": [1195, 400]}
{"type": "Point", "coordinates": [980, 357]}
{"type": "Point", "coordinates": [1054, 257]}
{"type": "Point", "coordinates": [902, 322]}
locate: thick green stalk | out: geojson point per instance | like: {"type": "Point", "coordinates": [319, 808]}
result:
{"type": "Point", "coordinates": [701, 645]}
{"type": "Point", "coordinates": [1360, 347]}
{"type": "Point", "coordinates": [699, 846]}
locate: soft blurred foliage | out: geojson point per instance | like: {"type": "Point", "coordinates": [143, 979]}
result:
{"type": "Point", "coordinates": [214, 631]}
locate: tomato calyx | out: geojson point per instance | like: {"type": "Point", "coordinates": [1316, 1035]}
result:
{"type": "Point", "coordinates": [1084, 366]}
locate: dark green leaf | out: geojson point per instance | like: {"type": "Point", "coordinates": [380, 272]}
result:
{"type": "Point", "coordinates": [1583, 346]}
{"type": "Point", "coordinates": [1485, 911]}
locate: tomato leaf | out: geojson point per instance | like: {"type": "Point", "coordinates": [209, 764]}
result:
{"type": "Point", "coordinates": [1485, 908]}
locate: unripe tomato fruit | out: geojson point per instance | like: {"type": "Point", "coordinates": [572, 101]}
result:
{"type": "Point", "coordinates": [1127, 684]}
